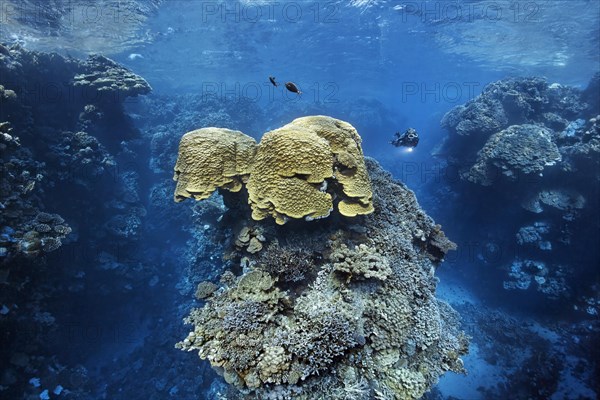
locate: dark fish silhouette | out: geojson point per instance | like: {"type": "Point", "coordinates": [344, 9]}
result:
{"type": "Point", "coordinates": [272, 79]}
{"type": "Point", "coordinates": [291, 86]}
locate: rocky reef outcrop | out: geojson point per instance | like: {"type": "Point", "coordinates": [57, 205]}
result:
{"type": "Point", "coordinates": [513, 152]}
{"type": "Point", "coordinates": [519, 121]}
{"type": "Point", "coordinates": [532, 148]}
{"type": "Point", "coordinates": [330, 308]}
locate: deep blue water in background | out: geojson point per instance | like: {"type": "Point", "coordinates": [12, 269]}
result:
{"type": "Point", "coordinates": [381, 65]}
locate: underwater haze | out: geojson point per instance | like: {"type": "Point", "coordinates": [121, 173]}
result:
{"type": "Point", "coordinates": [256, 199]}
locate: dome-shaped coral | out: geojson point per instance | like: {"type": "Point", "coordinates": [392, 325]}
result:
{"type": "Point", "coordinates": [287, 173]}
{"type": "Point", "coordinates": [288, 176]}
{"type": "Point", "coordinates": [349, 165]}
{"type": "Point", "coordinates": [211, 158]}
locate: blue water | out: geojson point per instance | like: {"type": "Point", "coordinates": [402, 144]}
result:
{"type": "Point", "coordinates": [98, 318]}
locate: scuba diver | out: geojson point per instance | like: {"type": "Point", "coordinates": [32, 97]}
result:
{"type": "Point", "coordinates": [410, 139]}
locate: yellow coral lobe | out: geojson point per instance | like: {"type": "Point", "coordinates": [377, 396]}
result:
{"type": "Point", "coordinates": [349, 165]}
{"type": "Point", "coordinates": [348, 209]}
{"type": "Point", "coordinates": [288, 176]}
{"type": "Point", "coordinates": [211, 158]}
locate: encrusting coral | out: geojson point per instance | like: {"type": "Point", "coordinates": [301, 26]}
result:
{"type": "Point", "coordinates": [250, 239]}
{"type": "Point", "coordinates": [103, 75]}
{"type": "Point", "coordinates": [296, 171]}
{"type": "Point", "coordinates": [337, 308]}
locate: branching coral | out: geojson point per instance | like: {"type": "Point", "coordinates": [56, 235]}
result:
{"type": "Point", "coordinates": [389, 320]}
{"type": "Point", "coordinates": [324, 327]}
{"type": "Point", "coordinates": [292, 265]}
{"type": "Point", "coordinates": [406, 384]}
{"type": "Point", "coordinates": [362, 261]}
{"type": "Point", "coordinates": [331, 336]}
{"type": "Point", "coordinates": [228, 331]}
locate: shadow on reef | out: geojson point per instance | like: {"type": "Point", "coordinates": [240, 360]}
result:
{"type": "Point", "coordinates": [343, 305]}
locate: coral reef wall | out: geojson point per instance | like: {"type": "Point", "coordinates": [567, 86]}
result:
{"type": "Point", "coordinates": [332, 308]}
{"type": "Point", "coordinates": [75, 174]}
{"type": "Point", "coordinates": [531, 150]}
{"type": "Point", "coordinates": [71, 210]}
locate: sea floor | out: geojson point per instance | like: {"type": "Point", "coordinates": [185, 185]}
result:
{"type": "Point", "coordinates": [516, 356]}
